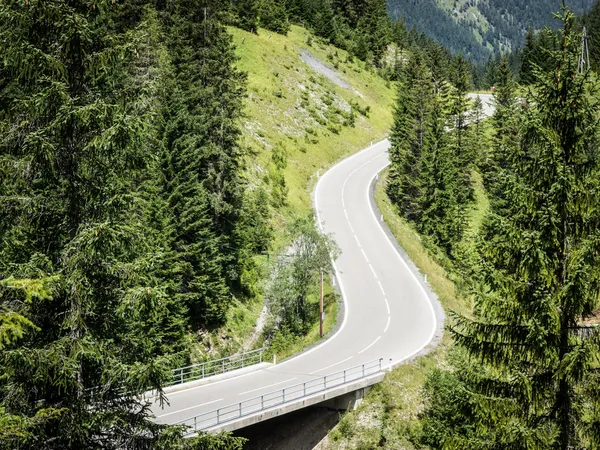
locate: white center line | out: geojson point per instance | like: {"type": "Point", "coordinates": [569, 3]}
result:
{"type": "Point", "coordinates": [388, 324]}
{"type": "Point", "coordinates": [369, 346]}
{"type": "Point", "coordinates": [358, 242]}
{"type": "Point", "coordinates": [328, 367]}
{"type": "Point", "coordinates": [191, 407]}
{"type": "Point", "coordinates": [364, 254]}
{"type": "Point", "coordinates": [373, 270]}
{"type": "Point", "coordinates": [381, 287]}
{"type": "Point", "coordinates": [387, 304]}
{"type": "Point", "coordinates": [267, 386]}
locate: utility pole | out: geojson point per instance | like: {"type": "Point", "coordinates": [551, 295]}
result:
{"type": "Point", "coordinates": [321, 307]}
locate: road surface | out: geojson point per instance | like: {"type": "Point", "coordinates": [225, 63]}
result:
{"type": "Point", "coordinates": [387, 312]}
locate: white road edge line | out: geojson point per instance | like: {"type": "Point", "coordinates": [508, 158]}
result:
{"type": "Point", "coordinates": [329, 367]}
{"type": "Point", "coordinates": [432, 334]}
{"type": "Point", "coordinates": [337, 273]}
{"type": "Point", "coordinates": [388, 323]}
{"type": "Point", "coordinates": [370, 345]}
{"type": "Point", "coordinates": [268, 386]}
{"type": "Point", "coordinates": [191, 407]}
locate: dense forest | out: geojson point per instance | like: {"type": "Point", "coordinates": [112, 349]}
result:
{"type": "Point", "coordinates": [126, 220]}
{"type": "Point", "coordinates": [482, 28]}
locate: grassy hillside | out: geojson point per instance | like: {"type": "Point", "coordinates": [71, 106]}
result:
{"type": "Point", "coordinates": [296, 109]}
{"type": "Point", "coordinates": [298, 123]}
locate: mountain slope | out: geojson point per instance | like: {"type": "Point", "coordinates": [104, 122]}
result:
{"type": "Point", "coordinates": [480, 28]}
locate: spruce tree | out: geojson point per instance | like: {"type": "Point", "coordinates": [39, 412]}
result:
{"type": "Point", "coordinates": [91, 315]}
{"type": "Point", "coordinates": [245, 14]}
{"type": "Point", "coordinates": [273, 16]}
{"type": "Point", "coordinates": [202, 160]}
{"type": "Point", "coordinates": [535, 381]}
{"type": "Point", "coordinates": [411, 119]}
{"type": "Point", "coordinates": [442, 212]}
{"type": "Point", "coordinates": [458, 105]}
{"type": "Point", "coordinates": [505, 141]}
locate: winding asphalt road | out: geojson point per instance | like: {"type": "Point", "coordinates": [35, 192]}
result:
{"type": "Point", "coordinates": [387, 312]}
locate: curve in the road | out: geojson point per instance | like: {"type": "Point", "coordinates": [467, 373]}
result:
{"type": "Point", "coordinates": [387, 312]}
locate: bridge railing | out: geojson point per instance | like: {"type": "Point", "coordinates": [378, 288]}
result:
{"type": "Point", "coordinates": [215, 367]}
{"type": "Point", "coordinates": [253, 405]}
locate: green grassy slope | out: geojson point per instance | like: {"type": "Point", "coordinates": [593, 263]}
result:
{"type": "Point", "coordinates": [287, 107]}
{"type": "Point", "coordinates": [294, 110]}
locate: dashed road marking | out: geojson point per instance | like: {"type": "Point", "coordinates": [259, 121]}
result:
{"type": "Point", "coordinates": [191, 407]}
{"type": "Point", "coordinates": [381, 287]}
{"type": "Point", "coordinates": [328, 367]}
{"type": "Point", "coordinates": [267, 386]}
{"type": "Point", "coordinates": [370, 345]}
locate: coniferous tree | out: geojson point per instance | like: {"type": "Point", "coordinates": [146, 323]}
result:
{"type": "Point", "coordinates": [373, 30]}
{"type": "Point", "coordinates": [245, 14]}
{"type": "Point", "coordinates": [442, 212]}
{"type": "Point", "coordinates": [273, 16]}
{"type": "Point", "coordinates": [459, 105]}
{"type": "Point", "coordinates": [535, 382]}
{"type": "Point", "coordinates": [75, 261]}
{"type": "Point", "coordinates": [408, 136]}
{"type": "Point", "coordinates": [506, 137]}
{"type": "Point", "coordinates": [202, 160]}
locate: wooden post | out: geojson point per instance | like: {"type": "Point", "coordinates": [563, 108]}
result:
{"type": "Point", "coordinates": [321, 307]}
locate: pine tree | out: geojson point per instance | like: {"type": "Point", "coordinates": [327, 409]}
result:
{"type": "Point", "coordinates": [411, 119]}
{"type": "Point", "coordinates": [202, 160]}
{"type": "Point", "coordinates": [505, 143]}
{"type": "Point", "coordinates": [90, 314]}
{"type": "Point", "coordinates": [246, 14]}
{"type": "Point", "coordinates": [442, 216]}
{"type": "Point", "coordinates": [476, 139]}
{"type": "Point", "coordinates": [535, 382]}
{"type": "Point", "coordinates": [458, 107]}
{"type": "Point", "coordinates": [273, 16]}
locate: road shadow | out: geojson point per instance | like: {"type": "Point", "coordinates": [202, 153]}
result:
{"type": "Point", "coordinates": [299, 430]}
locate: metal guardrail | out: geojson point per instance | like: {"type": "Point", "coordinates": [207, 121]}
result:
{"type": "Point", "coordinates": [253, 405]}
{"type": "Point", "coordinates": [206, 369]}
{"type": "Point", "coordinates": [216, 367]}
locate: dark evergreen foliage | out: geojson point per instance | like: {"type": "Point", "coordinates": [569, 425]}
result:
{"type": "Point", "coordinates": [434, 143]}
{"type": "Point", "coordinates": [534, 377]}
{"type": "Point", "coordinates": [504, 31]}
{"type": "Point", "coordinates": [121, 197]}
{"type": "Point", "coordinates": [408, 137]}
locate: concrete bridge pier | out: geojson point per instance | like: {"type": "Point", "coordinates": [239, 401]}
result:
{"type": "Point", "coordinates": [348, 401]}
